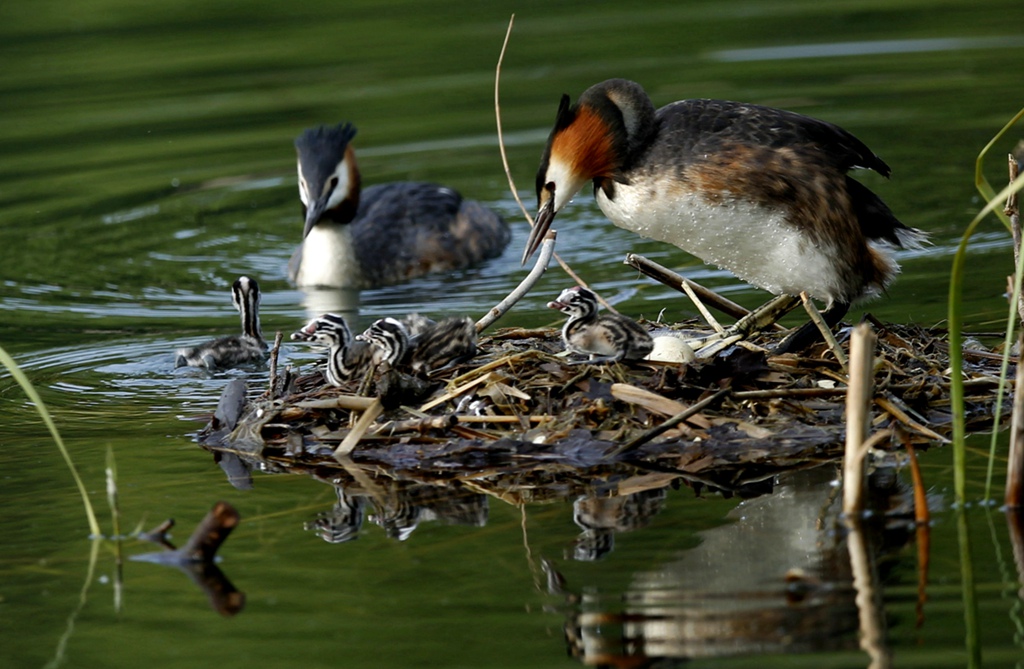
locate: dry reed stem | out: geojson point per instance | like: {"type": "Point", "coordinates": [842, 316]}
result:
{"type": "Point", "coordinates": [826, 331]}
{"type": "Point", "coordinates": [693, 410]}
{"type": "Point", "coordinates": [497, 117]}
{"type": "Point", "coordinates": [899, 414]}
{"type": "Point", "coordinates": [788, 393]}
{"type": "Point", "coordinates": [273, 363]}
{"type": "Point", "coordinates": [667, 277]}
{"type": "Point", "coordinates": [652, 401]}
{"type": "Point", "coordinates": [504, 419]}
{"type": "Point", "coordinates": [350, 402]}
{"type": "Point", "coordinates": [766, 315]}
{"type": "Point", "coordinates": [366, 419]}
{"type": "Point", "coordinates": [1013, 213]}
{"type": "Point", "coordinates": [858, 415]}
{"type": "Point", "coordinates": [1014, 495]}
{"type": "Point", "coordinates": [394, 427]}
{"type": "Point", "coordinates": [692, 294]}
{"type": "Point", "coordinates": [715, 347]}
{"type": "Point", "coordinates": [494, 364]}
{"type": "Point", "coordinates": [508, 172]}
{"type": "Point", "coordinates": [458, 390]}
{"type": "Point", "coordinates": [547, 249]}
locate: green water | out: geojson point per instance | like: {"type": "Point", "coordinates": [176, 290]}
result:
{"type": "Point", "coordinates": [146, 161]}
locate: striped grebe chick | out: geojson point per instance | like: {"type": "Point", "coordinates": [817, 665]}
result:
{"type": "Point", "coordinates": [437, 344]}
{"type": "Point", "coordinates": [232, 350]}
{"type": "Point", "coordinates": [346, 357]}
{"type": "Point", "coordinates": [761, 192]}
{"type": "Point", "coordinates": [389, 342]}
{"type": "Point", "coordinates": [604, 337]}
{"type": "Point", "coordinates": [385, 234]}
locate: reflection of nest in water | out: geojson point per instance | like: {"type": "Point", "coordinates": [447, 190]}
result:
{"type": "Point", "coordinates": [518, 408]}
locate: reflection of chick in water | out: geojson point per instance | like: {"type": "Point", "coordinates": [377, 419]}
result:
{"type": "Point", "coordinates": [399, 511]}
{"type": "Point", "coordinates": [601, 517]}
{"type": "Point", "coordinates": [343, 522]}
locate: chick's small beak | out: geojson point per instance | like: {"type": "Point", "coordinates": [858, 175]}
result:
{"type": "Point", "coordinates": [541, 225]}
{"type": "Point", "coordinates": [306, 333]}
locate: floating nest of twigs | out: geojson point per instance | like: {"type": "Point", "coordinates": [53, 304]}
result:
{"type": "Point", "coordinates": [521, 407]}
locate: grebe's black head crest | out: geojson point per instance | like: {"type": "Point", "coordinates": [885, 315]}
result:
{"type": "Point", "coordinates": [328, 177]}
{"type": "Point", "coordinates": [323, 146]}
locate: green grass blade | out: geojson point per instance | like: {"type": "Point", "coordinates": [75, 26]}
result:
{"type": "Point", "coordinates": [7, 361]}
{"type": "Point", "coordinates": [980, 182]}
{"type": "Point", "coordinates": [1004, 369]}
{"type": "Point", "coordinates": [956, 360]}
{"type": "Point", "coordinates": [60, 653]}
{"type": "Point", "coordinates": [972, 642]}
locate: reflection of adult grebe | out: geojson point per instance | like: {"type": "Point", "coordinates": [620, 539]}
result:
{"type": "Point", "coordinates": [385, 234]}
{"type": "Point", "coordinates": [758, 191]}
{"type": "Point", "coordinates": [605, 337]}
{"type": "Point", "coordinates": [234, 349]}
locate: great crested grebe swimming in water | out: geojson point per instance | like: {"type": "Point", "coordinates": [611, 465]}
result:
{"type": "Point", "coordinates": [384, 234]}
{"type": "Point", "coordinates": [234, 349]}
{"type": "Point", "coordinates": [758, 191]}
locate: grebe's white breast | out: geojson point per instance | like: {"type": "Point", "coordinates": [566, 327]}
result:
{"type": "Point", "coordinates": [753, 241]}
{"type": "Point", "coordinates": [329, 258]}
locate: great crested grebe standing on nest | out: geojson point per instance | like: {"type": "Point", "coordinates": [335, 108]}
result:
{"type": "Point", "coordinates": [758, 191]}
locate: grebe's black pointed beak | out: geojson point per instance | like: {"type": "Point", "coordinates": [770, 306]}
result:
{"type": "Point", "coordinates": [540, 228]}
{"type": "Point", "coordinates": [313, 213]}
